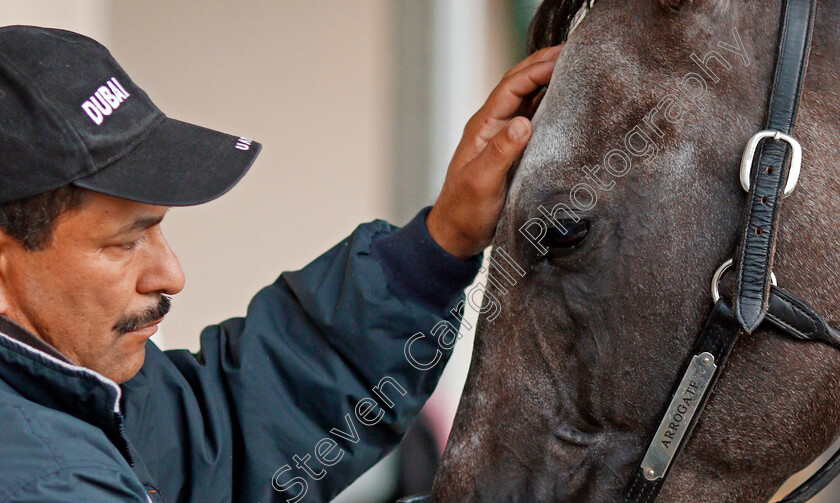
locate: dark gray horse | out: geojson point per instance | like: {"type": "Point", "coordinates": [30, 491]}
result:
{"type": "Point", "coordinates": [635, 156]}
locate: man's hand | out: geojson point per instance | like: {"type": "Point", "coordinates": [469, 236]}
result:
{"type": "Point", "coordinates": [464, 218]}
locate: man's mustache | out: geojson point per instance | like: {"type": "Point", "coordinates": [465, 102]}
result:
{"type": "Point", "coordinates": [131, 322]}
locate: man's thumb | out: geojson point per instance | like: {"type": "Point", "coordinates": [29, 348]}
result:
{"type": "Point", "coordinates": [507, 145]}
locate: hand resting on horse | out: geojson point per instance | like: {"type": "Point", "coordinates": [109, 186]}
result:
{"type": "Point", "coordinates": [464, 218]}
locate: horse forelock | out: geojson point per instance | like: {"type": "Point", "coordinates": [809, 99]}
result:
{"type": "Point", "coordinates": [554, 20]}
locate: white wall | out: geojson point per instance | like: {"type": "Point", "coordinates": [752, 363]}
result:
{"type": "Point", "coordinates": [89, 17]}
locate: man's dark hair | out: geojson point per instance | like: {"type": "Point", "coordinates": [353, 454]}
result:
{"type": "Point", "coordinates": [31, 221]}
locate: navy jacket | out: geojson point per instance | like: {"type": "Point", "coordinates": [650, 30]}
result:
{"type": "Point", "coordinates": [290, 403]}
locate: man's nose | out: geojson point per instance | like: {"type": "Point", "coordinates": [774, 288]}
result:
{"type": "Point", "coordinates": [162, 272]}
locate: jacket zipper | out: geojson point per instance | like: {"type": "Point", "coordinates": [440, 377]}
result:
{"type": "Point", "coordinates": [124, 438]}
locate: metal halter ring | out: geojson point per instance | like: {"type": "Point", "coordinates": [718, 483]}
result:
{"type": "Point", "coordinates": [719, 274]}
{"type": "Point", "coordinates": [795, 159]}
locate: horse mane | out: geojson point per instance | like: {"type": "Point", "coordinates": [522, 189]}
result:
{"type": "Point", "coordinates": [553, 21]}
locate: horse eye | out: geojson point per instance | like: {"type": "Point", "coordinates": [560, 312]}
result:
{"type": "Point", "coordinates": [570, 234]}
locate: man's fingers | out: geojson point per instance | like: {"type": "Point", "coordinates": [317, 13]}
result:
{"type": "Point", "coordinates": [505, 101]}
{"type": "Point", "coordinates": [546, 54]}
{"type": "Point", "coordinates": [463, 219]}
{"type": "Point", "coordinates": [508, 95]}
{"type": "Point", "coordinates": [502, 151]}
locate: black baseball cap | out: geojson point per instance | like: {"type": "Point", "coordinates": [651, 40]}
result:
{"type": "Point", "coordinates": [70, 114]}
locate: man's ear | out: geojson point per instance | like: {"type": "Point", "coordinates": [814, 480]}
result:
{"type": "Point", "coordinates": [7, 245]}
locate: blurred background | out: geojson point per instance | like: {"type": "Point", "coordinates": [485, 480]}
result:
{"type": "Point", "coordinates": [359, 105]}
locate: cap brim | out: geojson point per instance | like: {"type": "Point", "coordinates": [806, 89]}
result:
{"type": "Point", "coordinates": [178, 164]}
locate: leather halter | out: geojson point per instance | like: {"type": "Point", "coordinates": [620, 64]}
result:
{"type": "Point", "coordinates": [767, 181]}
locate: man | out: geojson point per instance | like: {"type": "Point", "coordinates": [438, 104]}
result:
{"type": "Point", "coordinates": [292, 402]}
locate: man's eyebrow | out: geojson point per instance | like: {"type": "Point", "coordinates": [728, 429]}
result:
{"type": "Point", "coordinates": [140, 224]}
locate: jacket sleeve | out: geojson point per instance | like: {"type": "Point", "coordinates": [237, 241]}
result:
{"type": "Point", "coordinates": [73, 484]}
{"type": "Point", "coordinates": [311, 388]}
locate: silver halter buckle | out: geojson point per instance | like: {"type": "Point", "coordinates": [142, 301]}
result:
{"type": "Point", "coordinates": [795, 159]}
{"type": "Point", "coordinates": [719, 274]}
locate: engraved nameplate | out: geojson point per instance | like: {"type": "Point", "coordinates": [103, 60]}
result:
{"type": "Point", "coordinates": [683, 406]}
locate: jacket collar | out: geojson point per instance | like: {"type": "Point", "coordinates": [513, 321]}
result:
{"type": "Point", "coordinates": [41, 374]}
{"type": "Point", "coordinates": [20, 334]}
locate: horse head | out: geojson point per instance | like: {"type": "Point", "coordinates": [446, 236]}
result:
{"type": "Point", "coordinates": [624, 203]}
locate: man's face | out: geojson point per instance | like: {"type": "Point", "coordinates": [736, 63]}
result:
{"type": "Point", "coordinates": [95, 292]}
